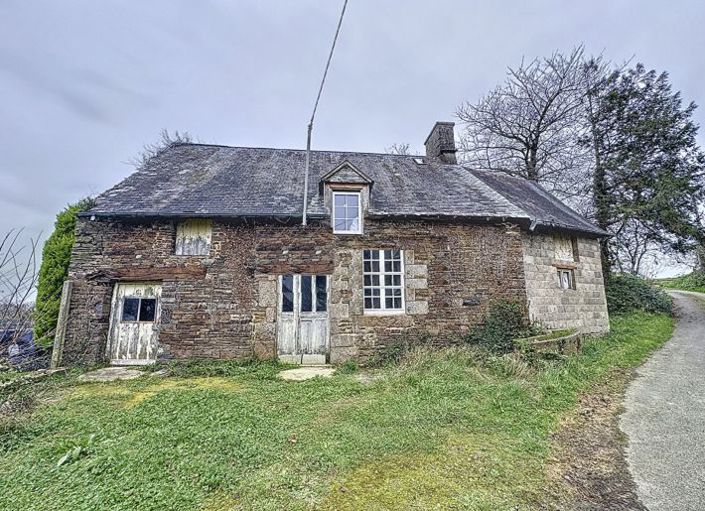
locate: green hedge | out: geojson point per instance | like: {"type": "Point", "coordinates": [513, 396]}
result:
{"type": "Point", "coordinates": [627, 293]}
{"type": "Point", "coordinates": [54, 270]}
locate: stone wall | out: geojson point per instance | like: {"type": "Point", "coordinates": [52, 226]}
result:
{"type": "Point", "coordinates": [224, 305]}
{"type": "Point", "coordinates": [584, 307]}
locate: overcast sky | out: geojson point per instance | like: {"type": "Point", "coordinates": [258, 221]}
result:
{"type": "Point", "coordinates": [84, 84]}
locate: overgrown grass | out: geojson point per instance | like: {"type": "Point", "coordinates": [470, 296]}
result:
{"type": "Point", "coordinates": [694, 281]}
{"type": "Point", "coordinates": [458, 428]}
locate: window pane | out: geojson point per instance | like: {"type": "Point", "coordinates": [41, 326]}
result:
{"type": "Point", "coordinates": [148, 307]}
{"type": "Point", "coordinates": [306, 294]}
{"type": "Point", "coordinates": [287, 293]}
{"type": "Point", "coordinates": [392, 280]}
{"type": "Point", "coordinates": [371, 291]}
{"type": "Point", "coordinates": [130, 309]}
{"type": "Point", "coordinates": [371, 280]}
{"type": "Point", "coordinates": [321, 293]}
{"type": "Point", "coordinates": [392, 266]}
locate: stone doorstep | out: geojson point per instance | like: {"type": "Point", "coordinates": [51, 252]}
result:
{"type": "Point", "coordinates": [307, 372]}
{"type": "Point", "coordinates": [113, 373]}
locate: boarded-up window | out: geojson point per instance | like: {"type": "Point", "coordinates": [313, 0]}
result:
{"type": "Point", "coordinates": [193, 237]}
{"type": "Point", "coordinates": [565, 248]}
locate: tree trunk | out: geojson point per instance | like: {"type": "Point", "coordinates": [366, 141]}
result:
{"type": "Point", "coordinates": [532, 173]}
{"type": "Point", "coordinates": [700, 254]}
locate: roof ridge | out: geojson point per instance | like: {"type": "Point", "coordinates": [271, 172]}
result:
{"type": "Point", "coordinates": [225, 146]}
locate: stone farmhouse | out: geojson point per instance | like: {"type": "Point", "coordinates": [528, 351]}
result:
{"type": "Point", "coordinates": [202, 253]}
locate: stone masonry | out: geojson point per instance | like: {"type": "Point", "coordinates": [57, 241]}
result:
{"type": "Point", "coordinates": [583, 308]}
{"type": "Point", "coordinates": [224, 305]}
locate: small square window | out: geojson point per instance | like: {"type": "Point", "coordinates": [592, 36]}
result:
{"type": "Point", "coordinates": [566, 279]}
{"type": "Point", "coordinates": [148, 307]}
{"type": "Point", "coordinates": [130, 309]}
{"type": "Point", "coordinates": [347, 213]}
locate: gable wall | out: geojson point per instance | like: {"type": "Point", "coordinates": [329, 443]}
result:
{"type": "Point", "coordinates": [224, 305]}
{"type": "Point", "coordinates": [583, 308]}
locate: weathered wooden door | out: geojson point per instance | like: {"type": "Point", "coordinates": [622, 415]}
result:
{"type": "Point", "coordinates": [134, 323]}
{"type": "Point", "coordinates": [302, 327]}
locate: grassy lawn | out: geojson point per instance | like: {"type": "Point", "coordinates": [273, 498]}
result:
{"type": "Point", "coordinates": [448, 430]}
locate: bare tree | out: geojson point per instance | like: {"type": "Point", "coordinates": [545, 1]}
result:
{"type": "Point", "coordinates": [634, 248]}
{"type": "Point", "coordinates": [532, 124]}
{"type": "Point", "coordinates": [18, 279]}
{"type": "Point", "coordinates": [401, 149]}
{"type": "Point", "coordinates": [166, 140]}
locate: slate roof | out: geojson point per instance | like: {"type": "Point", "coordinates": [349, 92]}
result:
{"type": "Point", "coordinates": [190, 180]}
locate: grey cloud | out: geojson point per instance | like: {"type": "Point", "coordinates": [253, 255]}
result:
{"type": "Point", "coordinates": [86, 84]}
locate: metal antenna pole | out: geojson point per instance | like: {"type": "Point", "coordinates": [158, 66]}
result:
{"type": "Point", "coordinates": [313, 114]}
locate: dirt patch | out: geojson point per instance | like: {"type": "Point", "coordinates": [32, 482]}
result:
{"type": "Point", "coordinates": [591, 458]}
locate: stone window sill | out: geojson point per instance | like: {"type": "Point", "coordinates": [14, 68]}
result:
{"type": "Point", "coordinates": [384, 312]}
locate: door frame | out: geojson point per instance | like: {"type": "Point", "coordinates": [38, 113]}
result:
{"type": "Point", "coordinates": [115, 309]}
{"type": "Point", "coordinates": [299, 357]}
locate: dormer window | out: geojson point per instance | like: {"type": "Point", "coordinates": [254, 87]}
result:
{"type": "Point", "coordinates": [347, 213]}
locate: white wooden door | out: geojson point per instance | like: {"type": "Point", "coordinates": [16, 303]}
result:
{"type": "Point", "coordinates": [302, 327]}
{"type": "Point", "coordinates": [134, 323]}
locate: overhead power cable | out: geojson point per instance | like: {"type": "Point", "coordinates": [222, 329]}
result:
{"type": "Point", "coordinates": [313, 114]}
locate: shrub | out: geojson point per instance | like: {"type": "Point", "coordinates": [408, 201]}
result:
{"type": "Point", "coordinates": [694, 281]}
{"type": "Point", "coordinates": [628, 293]}
{"type": "Point", "coordinates": [56, 256]}
{"type": "Point", "coordinates": [503, 324]}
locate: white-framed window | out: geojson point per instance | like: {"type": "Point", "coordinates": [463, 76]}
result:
{"type": "Point", "coordinates": [383, 281]}
{"type": "Point", "coordinates": [566, 279]}
{"type": "Point", "coordinates": [347, 213]}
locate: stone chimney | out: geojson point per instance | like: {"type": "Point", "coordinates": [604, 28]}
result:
{"type": "Point", "coordinates": [440, 143]}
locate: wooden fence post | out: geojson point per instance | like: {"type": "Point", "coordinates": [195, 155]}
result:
{"type": "Point", "coordinates": [61, 323]}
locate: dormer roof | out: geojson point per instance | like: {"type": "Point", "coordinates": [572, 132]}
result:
{"type": "Point", "coordinates": [346, 173]}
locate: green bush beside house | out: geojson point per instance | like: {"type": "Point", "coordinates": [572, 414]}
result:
{"type": "Point", "coordinates": [56, 256]}
{"type": "Point", "coordinates": [627, 293]}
